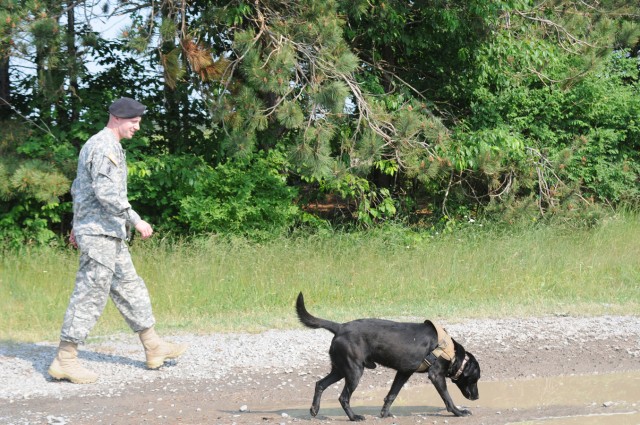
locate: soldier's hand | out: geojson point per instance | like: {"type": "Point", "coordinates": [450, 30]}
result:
{"type": "Point", "coordinates": [144, 229]}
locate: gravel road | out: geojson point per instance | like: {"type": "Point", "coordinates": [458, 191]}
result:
{"type": "Point", "coordinates": [224, 376]}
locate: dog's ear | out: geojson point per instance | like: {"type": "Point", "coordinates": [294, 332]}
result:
{"type": "Point", "coordinates": [459, 349]}
{"type": "Point", "coordinates": [430, 323]}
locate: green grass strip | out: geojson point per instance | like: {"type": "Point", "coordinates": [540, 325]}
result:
{"type": "Point", "coordinates": [222, 284]}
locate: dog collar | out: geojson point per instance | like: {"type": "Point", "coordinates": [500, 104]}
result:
{"type": "Point", "coordinates": [459, 372]}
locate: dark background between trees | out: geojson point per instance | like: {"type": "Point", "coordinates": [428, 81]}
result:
{"type": "Point", "coordinates": [267, 116]}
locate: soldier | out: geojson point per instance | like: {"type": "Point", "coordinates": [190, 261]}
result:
{"type": "Point", "coordinates": [102, 216]}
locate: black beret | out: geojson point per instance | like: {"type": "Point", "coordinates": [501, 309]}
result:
{"type": "Point", "coordinates": [125, 107]}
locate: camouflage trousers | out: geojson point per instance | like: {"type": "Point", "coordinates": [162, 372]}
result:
{"type": "Point", "coordinates": [106, 270]}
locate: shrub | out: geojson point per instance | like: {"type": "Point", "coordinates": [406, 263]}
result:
{"type": "Point", "coordinates": [182, 193]}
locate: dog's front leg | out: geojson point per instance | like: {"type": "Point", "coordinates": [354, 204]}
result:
{"type": "Point", "coordinates": [440, 383]}
{"type": "Point", "coordinates": [400, 379]}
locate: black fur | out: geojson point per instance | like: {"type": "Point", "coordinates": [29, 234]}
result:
{"type": "Point", "coordinates": [399, 346]}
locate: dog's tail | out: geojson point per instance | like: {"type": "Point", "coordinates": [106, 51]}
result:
{"type": "Point", "coordinates": [311, 321]}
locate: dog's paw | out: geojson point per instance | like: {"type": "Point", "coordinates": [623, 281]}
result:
{"type": "Point", "coordinates": [313, 411]}
{"type": "Point", "coordinates": [463, 412]}
{"type": "Point", "coordinates": [386, 414]}
{"type": "Point", "coordinates": [358, 418]}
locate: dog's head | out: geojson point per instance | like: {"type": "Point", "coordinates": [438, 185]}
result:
{"type": "Point", "coordinates": [467, 381]}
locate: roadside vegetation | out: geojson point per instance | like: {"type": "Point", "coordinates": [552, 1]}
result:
{"type": "Point", "coordinates": [234, 284]}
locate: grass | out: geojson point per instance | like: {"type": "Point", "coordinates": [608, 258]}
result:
{"type": "Point", "coordinates": [220, 284]}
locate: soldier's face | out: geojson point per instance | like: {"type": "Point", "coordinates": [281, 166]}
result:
{"type": "Point", "coordinates": [127, 127]}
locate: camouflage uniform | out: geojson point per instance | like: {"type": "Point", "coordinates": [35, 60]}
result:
{"type": "Point", "coordinates": [101, 216]}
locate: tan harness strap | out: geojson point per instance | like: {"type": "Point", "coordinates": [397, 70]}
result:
{"type": "Point", "coordinates": [444, 349]}
{"type": "Point", "coordinates": [445, 344]}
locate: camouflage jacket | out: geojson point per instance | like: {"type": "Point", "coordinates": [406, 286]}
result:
{"type": "Point", "coordinates": [99, 191]}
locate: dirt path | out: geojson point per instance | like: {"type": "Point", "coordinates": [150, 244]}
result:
{"type": "Point", "coordinates": [554, 370]}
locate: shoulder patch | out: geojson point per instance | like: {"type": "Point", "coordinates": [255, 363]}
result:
{"type": "Point", "coordinates": [112, 158]}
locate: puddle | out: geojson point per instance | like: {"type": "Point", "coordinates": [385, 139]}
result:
{"type": "Point", "coordinates": [620, 391]}
{"type": "Point", "coordinates": [632, 418]}
{"type": "Point", "coordinates": [576, 390]}
{"type": "Point", "coordinates": [561, 390]}
{"type": "Point", "coordinates": [617, 390]}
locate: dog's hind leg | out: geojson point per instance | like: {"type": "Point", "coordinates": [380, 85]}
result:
{"type": "Point", "coordinates": [400, 379]}
{"type": "Point", "coordinates": [333, 377]}
{"type": "Point", "coordinates": [351, 380]}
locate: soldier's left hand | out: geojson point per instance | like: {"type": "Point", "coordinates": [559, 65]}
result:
{"type": "Point", "coordinates": [72, 240]}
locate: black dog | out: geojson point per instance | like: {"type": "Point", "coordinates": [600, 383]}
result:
{"type": "Point", "coordinates": [405, 347]}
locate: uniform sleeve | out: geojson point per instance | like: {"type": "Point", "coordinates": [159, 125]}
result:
{"type": "Point", "coordinates": [109, 187]}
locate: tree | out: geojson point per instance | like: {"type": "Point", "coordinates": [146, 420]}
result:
{"type": "Point", "coordinates": [453, 107]}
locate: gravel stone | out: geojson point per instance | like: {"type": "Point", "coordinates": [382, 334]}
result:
{"type": "Point", "coordinates": [119, 359]}
{"type": "Point", "coordinates": [222, 373]}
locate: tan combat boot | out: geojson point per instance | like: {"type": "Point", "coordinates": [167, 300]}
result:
{"type": "Point", "coordinates": [157, 350]}
{"type": "Point", "coordinates": [66, 365]}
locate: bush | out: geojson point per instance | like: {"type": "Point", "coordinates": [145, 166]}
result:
{"type": "Point", "coordinates": [242, 197]}
{"type": "Point", "coordinates": [31, 200]}
{"type": "Point", "coordinates": [182, 193]}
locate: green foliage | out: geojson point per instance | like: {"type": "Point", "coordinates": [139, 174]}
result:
{"type": "Point", "coordinates": [248, 197]}
{"type": "Point", "coordinates": [290, 115]}
{"type": "Point", "coordinates": [158, 183]}
{"type": "Point", "coordinates": [548, 132]}
{"type": "Point", "coordinates": [312, 155]}
{"type": "Point", "coordinates": [30, 201]}
{"type": "Point", "coordinates": [185, 194]}
{"type": "Point", "coordinates": [372, 205]}
{"type": "Point", "coordinates": [332, 96]}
